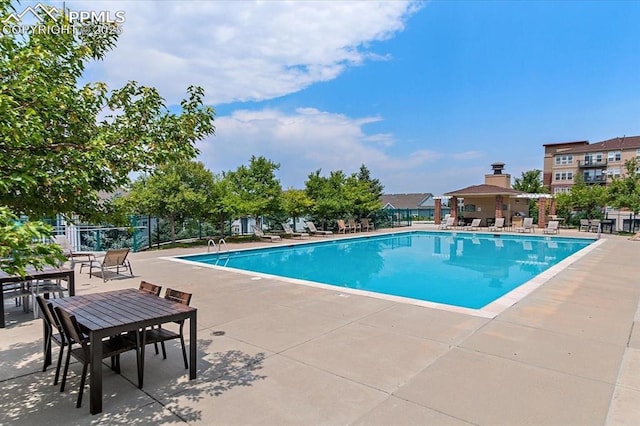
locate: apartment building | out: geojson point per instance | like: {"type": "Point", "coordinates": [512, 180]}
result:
{"type": "Point", "coordinates": [597, 162]}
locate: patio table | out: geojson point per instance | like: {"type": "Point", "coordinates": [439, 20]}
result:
{"type": "Point", "coordinates": [33, 274]}
{"type": "Point", "coordinates": [111, 313]}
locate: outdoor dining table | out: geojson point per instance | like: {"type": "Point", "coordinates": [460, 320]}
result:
{"type": "Point", "coordinates": [110, 313]}
{"type": "Point", "coordinates": [34, 274]}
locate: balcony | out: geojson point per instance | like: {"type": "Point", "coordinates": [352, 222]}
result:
{"type": "Point", "coordinates": [592, 163]}
{"type": "Point", "coordinates": [594, 180]}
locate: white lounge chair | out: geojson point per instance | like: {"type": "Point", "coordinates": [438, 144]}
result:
{"type": "Point", "coordinates": [289, 231]}
{"type": "Point", "coordinates": [498, 225]}
{"type": "Point", "coordinates": [552, 227]}
{"type": "Point", "coordinates": [474, 225]}
{"type": "Point", "coordinates": [448, 223]}
{"type": "Point", "coordinates": [315, 231]}
{"type": "Point", "coordinates": [527, 225]}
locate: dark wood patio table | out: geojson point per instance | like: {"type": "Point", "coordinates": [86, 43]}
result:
{"type": "Point", "coordinates": [33, 274]}
{"type": "Point", "coordinates": [110, 313]}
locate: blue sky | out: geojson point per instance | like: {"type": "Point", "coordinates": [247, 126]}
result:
{"type": "Point", "coordinates": [427, 95]}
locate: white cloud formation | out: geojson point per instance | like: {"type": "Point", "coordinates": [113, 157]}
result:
{"type": "Point", "coordinates": [244, 50]}
{"type": "Point", "coordinates": [309, 139]}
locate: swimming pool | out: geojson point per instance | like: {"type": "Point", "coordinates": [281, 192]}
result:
{"type": "Point", "coordinates": [467, 270]}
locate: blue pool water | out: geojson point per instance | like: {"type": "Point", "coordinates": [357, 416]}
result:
{"type": "Point", "coordinates": [463, 269]}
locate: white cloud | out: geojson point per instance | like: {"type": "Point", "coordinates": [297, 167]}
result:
{"type": "Point", "coordinates": [244, 50]}
{"type": "Point", "coordinates": [305, 141]}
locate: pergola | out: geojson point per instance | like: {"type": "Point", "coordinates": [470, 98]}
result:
{"type": "Point", "coordinates": [496, 196]}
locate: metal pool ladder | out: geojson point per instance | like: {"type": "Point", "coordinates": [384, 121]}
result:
{"type": "Point", "coordinates": [221, 243]}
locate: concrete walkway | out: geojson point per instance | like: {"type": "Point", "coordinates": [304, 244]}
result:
{"type": "Point", "coordinates": [277, 353]}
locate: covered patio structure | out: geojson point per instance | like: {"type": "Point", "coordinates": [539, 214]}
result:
{"type": "Point", "coordinates": [493, 199]}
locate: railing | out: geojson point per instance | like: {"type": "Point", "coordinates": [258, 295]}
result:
{"type": "Point", "coordinates": [595, 179]}
{"type": "Point", "coordinates": [592, 163]}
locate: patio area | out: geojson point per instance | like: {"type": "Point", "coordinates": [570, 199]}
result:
{"type": "Point", "coordinates": [275, 353]}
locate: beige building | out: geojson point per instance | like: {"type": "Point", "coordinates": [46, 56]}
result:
{"type": "Point", "coordinates": [597, 163]}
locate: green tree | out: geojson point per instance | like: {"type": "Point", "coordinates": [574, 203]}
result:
{"type": "Point", "coordinates": [18, 249]}
{"type": "Point", "coordinates": [255, 190]}
{"type": "Point", "coordinates": [295, 204]}
{"type": "Point", "coordinates": [531, 183]}
{"type": "Point", "coordinates": [624, 192]}
{"type": "Point", "coordinates": [365, 192]}
{"type": "Point", "coordinates": [222, 207]}
{"type": "Point", "coordinates": [329, 195]}
{"type": "Point", "coordinates": [61, 141]}
{"type": "Point", "coordinates": [174, 191]}
{"type": "Point", "coordinates": [589, 199]}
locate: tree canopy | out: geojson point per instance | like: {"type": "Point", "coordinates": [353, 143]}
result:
{"type": "Point", "coordinates": [174, 191]}
{"type": "Point", "coordinates": [255, 189]}
{"type": "Point", "coordinates": [624, 192]}
{"type": "Point", "coordinates": [62, 142]}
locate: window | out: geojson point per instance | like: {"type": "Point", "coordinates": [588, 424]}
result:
{"type": "Point", "coordinates": [613, 172]}
{"type": "Point", "coordinates": [614, 156]}
{"type": "Point", "coordinates": [561, 189]}
{"type": "Point", "coordinates": [564, 159]}
{"type": "Point", "coordinates": [564, 176]}
{"type": "Point", "coordinates": [593, 157]}
{"type": "Point", "coordinates": [637, 152]}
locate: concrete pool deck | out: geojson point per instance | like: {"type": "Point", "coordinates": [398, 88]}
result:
{"type": "Point", "coordinates": [274, 353]}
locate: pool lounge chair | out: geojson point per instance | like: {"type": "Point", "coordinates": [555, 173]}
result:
{"type": "Point", "coordinates": [474, 225]}
{"type": "Point", "coordinates": [113, 259]}
{"type": "Point", "coordinates": [498, 225]}
{"type": "Point", "coordinates": [315, 231]}
{"type": "Point", "coordinates": [527, 225]}
{"type": "Point", "coordinates": [352, 226]}
{"type": "Point", "coordinates": [260, 234]}
{"type": "Point", "coordinates": [289, 231]}
{"type": "Point", "coordinates": [552, 227]}
{"type": "Point", "coordinates": [448, 223]}
{"type": "Point", "coordinates": [365, 224]}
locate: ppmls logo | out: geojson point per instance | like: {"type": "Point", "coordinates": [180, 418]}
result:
{"type": "Point", "coordinates": [103, 21]}
{"type": "Point", "coordinates": [15, 18]}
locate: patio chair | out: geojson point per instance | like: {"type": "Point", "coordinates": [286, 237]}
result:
{"type": "Point", "coordinates": [584, 225]}
{"type": "Point", "coordinates": [342, 228]}
{"type": "Point", "coordinates": [147, 287]}
{"type": "Point", "coordinates": [552, 227]}
{"type": "Point", "coordinates": [113, 259]}
{"type": "Point", "coordinates": [527, 225]}
{"type": "Point", "coordinates": [366, 224]}
{"type": "Point", "coordinates": [161, 334]}
{"type": "Point", "coordinates": [111, 348]}
{"type": "Point", "coordinates": [474, 225]}
{"type": "Point", "coordinates": [594, 225]}
{"type": "Point", "coordinates": [315, 231]}
{"type": "Point", "coordinates": [448, 223]}
{"type": "Point", "coordinates": [50, 287]}
{"type": "Point", "coordinates": [50, 321]}
{"type": "Point", "coordinates": [271, 237]}
{"type": "Point", "coordinates": [352, 226]}
{"type": "Point", "coordinates": [498, 225]}
{"type": "Point", "coordinates": [290, 232]}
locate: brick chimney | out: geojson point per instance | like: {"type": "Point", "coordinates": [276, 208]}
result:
{"type": "Point", "coordinates": [498, 178]}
